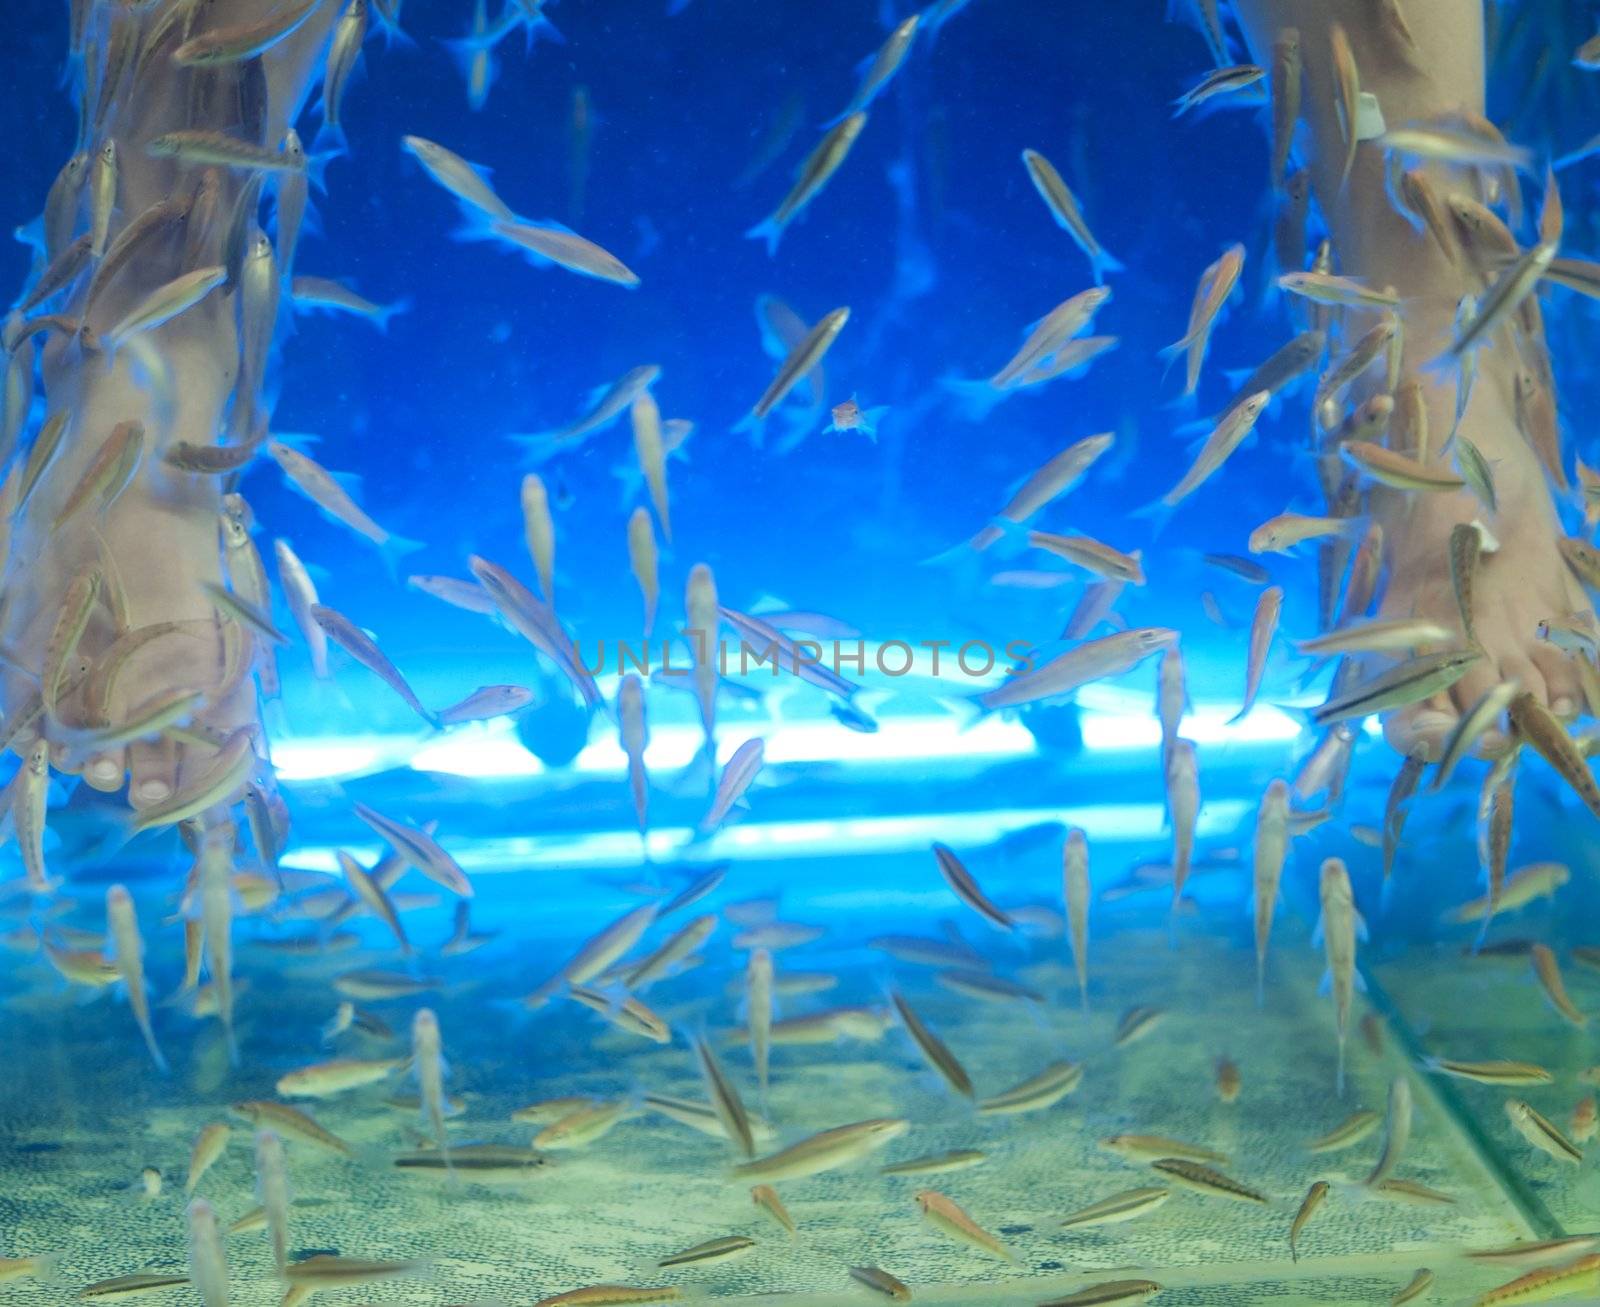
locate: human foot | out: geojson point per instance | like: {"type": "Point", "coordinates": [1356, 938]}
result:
{"type": "Point", "coordinates": [1522, 580]}
{"type": "Point", "coordinates": [152, 636]}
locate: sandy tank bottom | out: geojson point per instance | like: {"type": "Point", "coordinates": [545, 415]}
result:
{"type": "Point", "coordinates": [81, 1113]}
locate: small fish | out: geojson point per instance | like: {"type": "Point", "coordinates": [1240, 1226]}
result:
{"type": "Point", "coordinates": [124, 930]}
{"type": "Point", "coordinates": [293, 1122]}
{"type": "Point", "coordinates": [1064, 208]}
{"type": "Point", "coordinates": [1536, 880]}
{"type": "Point", "coordinates": [583, 1125]}
{"type": "Point", "coordinates": [967, 889]}
{"type": "Point", "coordinates": [1282, 533]}
{"type": "Point", "coordinates": [1225, 437]}
{"type": "Point", "coordinates": [1538, 727]}
{"type": "Point", "coordinates": [208, 1147]}
{"type": "Point", "coordinates": [1411, 1192]}
{"type": "Point", "coordinates": [208, 1265]}
{"type": "Point", "coordinates": [1043, 1090]}
{"type": "Point", "coordinates": [1047, 484]}
{"type": "Point", "coordinates": [1347, 93]}
{"type": "Point", "coordinates": [329, 1271]}
{"type": "Point", "coordinates": [1349, 1132]}
{"type": "Point", "coordinates": [610, 1295]}
{"type": "Point", "coordinates": [1107, 1293]}
{"type": "Point", "coordinates": [1151, 1148]}
{"type": "Point", "coordinates": [551, 242]}
{"type": "Point", "coordinates": [1419, 1284]}
{"type": "Point", "coordinates": [725, 1099]}
{"type": "Point", "coordinates": [1579, 1276]}
{"type": "Point", "coordinates": [949, 1219]}
{"type": "Point", "coordinates": [957, 1159]}
{"type": "Point", "coordinates": [138, 1284]}
{"type": "Point", "coordinates": [881, 1281]}
{"type": "Point", "coordinates": [766, 1197]}
{"type": "Point", "coordinates": [1092, 555]}
{"type": "Point", "coordinates": [1336, 292]}
{"type": "Point", "coordinates": [1470, 727]}
{"type": "Point", "coordinates": [1534, 1251]}
{"type": "Point", "coordinates": [1270, 850]}
{"type": "Point", "coordinates": [1491, 1073]}
{"type": "Point", "coordinates": [1406, 683]}
{"type": "Point", "coordinates": [1308, 1206]}
{"type": "Point", "coordinates": [1584, 1123]}
{"type": "Point", "coordinates": [1229, 1082]}
{"type": "Point", "coordinates": [478, 1163]}
{"type": "Point", "coordinates": [272, 1187]}
{"type": "Point", "coordinates": [325, 1079]}
{"type": "Point", "coordinates": [323, 489]}
{"type": "Point", "coordinates": [486, 703]}
{"type": "Point", "coordinates": [1124, 1206]}
{"type": "Point", "coordinates": [1093, 660]}
{"type": "Point", "coordinates": [1542, 1133]}
{"type": "Point", "coordinates": [1220, 81]}
{"type": "Point", "coordinates": [1136, 1023]}
{"type": "Point", "coordinates": [1396, 1132]}
{"type": "Point", "coordinates": [1206, 1180]}
{"type": "Point", "coordinates": [738, 774]}
{"type": "Point", "coordinates": [810, 178]}
{"type": "Point", "coordinates": [1504, 297]}
{"type": "Point", "coordinates": [1216, 284]}
{"type": "Point", "coordinates": [1548, 970]}
{"type": "Point", "coordinates": [849, 416]}
{"type": "Point", "coordinates": [468, 182]}
{"type": "Point", "coordinates": [882, 67]}
{"type": "Point", "coordinates": [824, 1151]}
{"type": "Point", "coordinates": [1076, 893]}
{"type": "Point", "coordinates": [427, 1062]}
{"type": "Point", "coordinates": [938, 1055]}
{"type": "Point", "coordinates": [1263, 626]}
{"type": "Point", "coordinates": [1285, 86]}
{"type": "Point", "coordinates": [1049, 337]}
{"type": "Point", "coordinates": [801, 360]}
{"type": "Point", "coordinates": [108, 474]}
{"type": "Point", "coordinates": [1339, 941]}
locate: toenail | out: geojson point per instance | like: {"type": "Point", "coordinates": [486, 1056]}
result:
{"type": "Point", "coordinates": [105, 770]}
{"type": "Point", "coordinates": [153, 791]}
{"type": "Point", "coordinates": [1563, 707]}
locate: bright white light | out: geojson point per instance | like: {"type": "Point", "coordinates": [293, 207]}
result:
{"type": "Point", "coordinates": [321, 758]}
{"type": "Point", "coordinates": [1113, 721]}
{"type": "Point", "coordinates": [1104, 823]}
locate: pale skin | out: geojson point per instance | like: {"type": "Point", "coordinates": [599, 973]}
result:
{"type": "Point", "coordinates": [161, 535]}
{"type": "Point", "coordinates": [1526, 580]}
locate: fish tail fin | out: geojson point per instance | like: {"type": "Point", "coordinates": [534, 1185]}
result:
{"type": "Point", "coordinates": [156, 1055]}
{"type": "Point", "coordinates": [1159, 513]}
{"type": "Point", "coordinates": [541, 26]}
{"type": "Point", "coordinates": [317, 174]}
{"type": "Point", "coordinates": [329, 142]}
{"type": "Point", "coordinates": [395, 549]}
{"type": "Point", "coordinates": [755, 427]}
{"type": "Point", "coordinates": [1575, 156]}
{"type": "Point", "coordinates": [971, 709]}
{"type": "Point", "coordinates": [770, 231]}
{"type": "Point", "coordinates": [393, 33]}
{"type": "Point", "coordinates": [540, 445]}
{"type": "Point", "coordinates": [387, 311]}
{"type": "Point", "coordinates": [1104, 261]}
{"type": "Point", "coordinates": [977, 397]}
